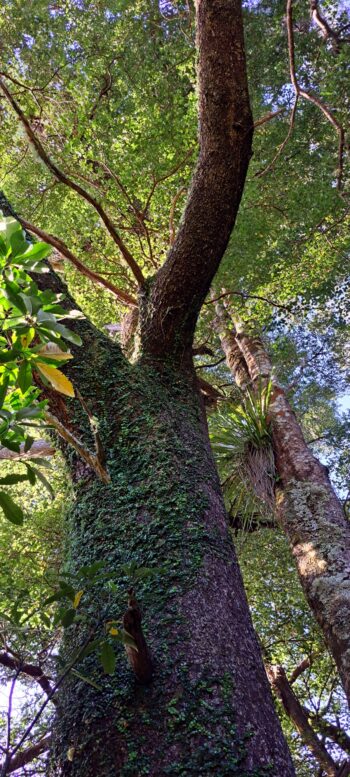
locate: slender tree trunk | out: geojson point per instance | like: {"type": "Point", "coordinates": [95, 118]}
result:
{"type": "Point", "coordinates": [309, 510]}
{"type": "Point", "coordinates": [299, 717]}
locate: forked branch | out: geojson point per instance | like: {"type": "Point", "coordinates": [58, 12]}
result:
{"type": "Point", "coordinates": [299, 92]}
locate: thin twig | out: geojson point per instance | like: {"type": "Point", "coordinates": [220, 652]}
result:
{"type": "Point", "coordinates": [248, 296]}
{"type": "Point", "coordinates": [28, 755]}
{"type": "Point", "coordinates": [9, 716]}
{"type": "Point", "coordinates": [157, 181]}
{"type": "Point", "coordinates": [213, 364]}
{"type": "Point", "coordinates": [49, 697]}
{"type": "Point", "coordinates": [268, 117]}
{"type": "Point", "coordinates": [139, 215]}
{"type": "Point", "coordinates": [283, 145]}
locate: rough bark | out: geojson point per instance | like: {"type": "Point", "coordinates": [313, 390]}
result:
{"type": "Point", "coordinates": [208, 707]}
{"type": "Point", "coordinates": [309, 510]}
{"type": "Point", "coordinates": [175, 296]}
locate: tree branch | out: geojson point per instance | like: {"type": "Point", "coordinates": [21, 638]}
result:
{"type": "Point", "coordinates": [27, 756]}
{"type": "Point", "coordinates": [332, 732]}
{"type": "Point", "coordinates": [304, 664]}
{"type": "Point", "coordinates": [63, 178]}
{"type": "Point", "coordinates": [31, 670]}
{"type": "Point", "coordinates": [248, 296]}
{"type": "Point", "coordinates": [268, 117]}
{"type": "Point", "coordinates": [310, 97]}
{"type": "Point", "coordinates": [324, 26]}
{"type": "Point", "coordinates": [61, 247]}
{"type": "Point", "coordinates": [291, 705]}
{"type": "Point", "coordinates": [177, 293]}
{"type": "Point", "coordinates": [93, 461]}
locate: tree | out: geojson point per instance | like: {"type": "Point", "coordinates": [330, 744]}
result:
{"type": "Point", "coordinates": [163, 505]}
{"type": "Point", "coordinates": [310, 512]}
{"type": "Point", "coordinates": [98, 117]}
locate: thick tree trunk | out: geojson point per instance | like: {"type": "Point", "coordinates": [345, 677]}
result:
{"type": "Point", "coordinates": [208, 709]}
{"type": "Point", "coordinates": [310, 513]}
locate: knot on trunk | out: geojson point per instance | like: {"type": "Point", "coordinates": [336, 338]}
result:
{"type": "Point", "coordinates": [140, 659]}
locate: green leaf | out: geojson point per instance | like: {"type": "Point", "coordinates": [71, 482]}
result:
{"type": "Point", "coordinates": [44, 481]}
{"type": "Point", "coordinates": [95, 643]}
{"type": "Point", "coordinates": [24, 379]}
{"type": "Point", "coordinates": [72, 337]}
{"type": "Point", "coordinates": [86, 679]}
{"type": "Point", "coordinates": [12, 511]}
{"type": "Point", "coordinates": [3, 389]}
{"type": "Point", "coordinates": [8, 226]}
{"type": "Point", "coordinates": [11, 480]}
{"type": "Point", "coordinates": [89, 570]}
{"type": "Point", "coordinates": [18, 242]}
{"type": "Point", "coordinates": [35, 251]}
{"type": "Point", "coordinates": [108, 658]}
{"type": "Point", "coordinates": [31, 474]}
{"type": "Point", "coordinates": [31, 411]}
{"type": "Point", "coordinates": [68, 617]}
{"type": "Point", "coordinates": [28, 442]}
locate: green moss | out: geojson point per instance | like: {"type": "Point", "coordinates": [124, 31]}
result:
{"type": "Point", "coordinates": [152, 514]}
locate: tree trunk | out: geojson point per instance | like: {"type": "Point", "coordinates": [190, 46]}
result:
{"type": "Point", "coordinates": [208, 709]}
{"type": "Point", "coordinates": [309, 510]}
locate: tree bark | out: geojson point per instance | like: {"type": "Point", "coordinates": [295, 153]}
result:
{"type": "Point", "coordinates": [308, 508]}
{"type": "Point", "coordinates": [208, 709]}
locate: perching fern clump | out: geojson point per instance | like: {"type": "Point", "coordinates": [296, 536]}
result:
{"type": "Point", "coordinates": [242, 445]}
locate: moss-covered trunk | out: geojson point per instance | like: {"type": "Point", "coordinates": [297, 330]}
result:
{"type": "Point", "coordinates": [311, 515]}
{"type": "Point", "coordinates": [208, 709]}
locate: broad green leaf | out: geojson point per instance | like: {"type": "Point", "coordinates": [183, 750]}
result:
{"type": "Point", "coordinates": [68, 617]}
{"type": "Point", "coordinates": [12, 511]}
{"type": "Point", "coordinates": [11, 480]}
{"type": "Point", "coordinates": [24, 379]}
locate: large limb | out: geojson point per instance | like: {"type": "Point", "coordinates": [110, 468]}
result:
{"type": "Point", "coordinates": [225, 133]}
